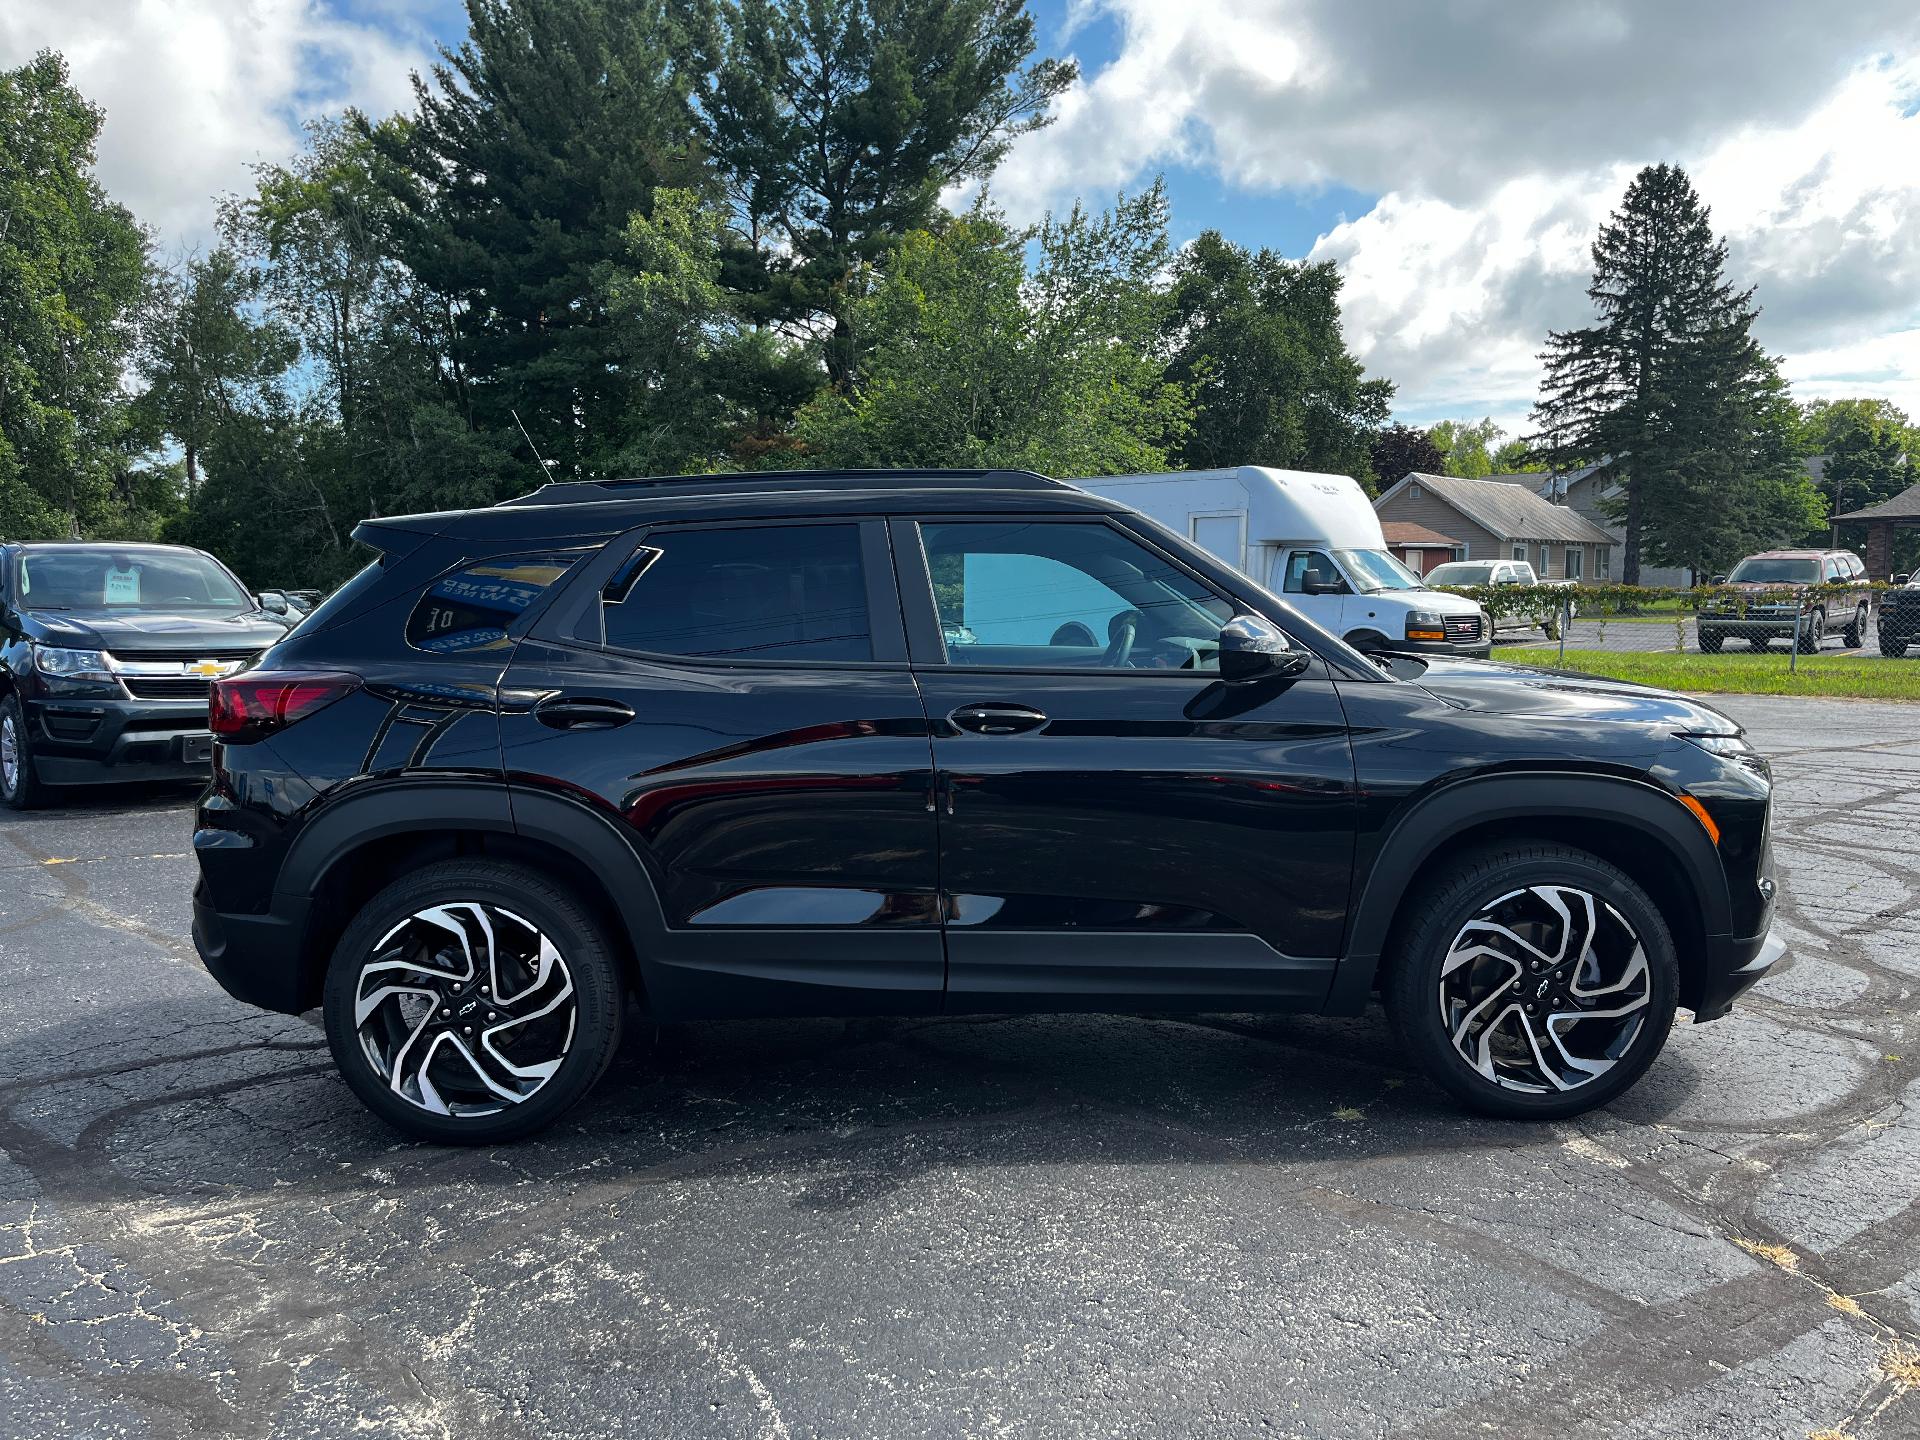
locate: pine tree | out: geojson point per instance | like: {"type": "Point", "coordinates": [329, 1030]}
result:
{"type": "Point", "coordinates": [838, 123]}
{"type": "Point", "coordinates": [1670, 388]}
{"type": "Point", "coordinates": [532, 146]}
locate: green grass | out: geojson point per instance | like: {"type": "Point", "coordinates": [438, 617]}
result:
{"type": "Point", "coordinates": [1861, 677]}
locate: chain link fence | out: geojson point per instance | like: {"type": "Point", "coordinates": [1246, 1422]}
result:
{"type": "Point", "coordinates": [1738, 631]}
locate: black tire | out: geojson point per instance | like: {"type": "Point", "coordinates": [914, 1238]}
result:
{"type": "Point", "coordinates": [1551, 628]}
{"type": "Point", "coordinates": [586, 957]}
{"type": "Point", "coordinates": [1891, 645]}
{"type": "Point", "coordinates": [1857, 631]}
{"type": "Point", "coordinates": [1711, 641]}
{"type": "Point", "coordinates": [21, 789]}
{"type": "Point", "coordinates": [1476, 881]}
{"type": "Point", "coordinates": [1811, 632]}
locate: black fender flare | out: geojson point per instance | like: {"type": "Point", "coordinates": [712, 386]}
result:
{"type": "Point", "coordinates": [418, 806]}
{"type": "Point", "coordinates": [1421, 831]}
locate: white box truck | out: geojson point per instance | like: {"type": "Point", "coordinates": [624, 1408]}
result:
{"type": "Point", "coordinates": [1315, 541]}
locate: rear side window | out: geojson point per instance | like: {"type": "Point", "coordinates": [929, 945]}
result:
{"type": "Point", "coordinates": [470, 607]}
{"type": "Point", "coordinates": [759, 592]}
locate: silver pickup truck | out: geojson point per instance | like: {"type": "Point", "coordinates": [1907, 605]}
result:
{"type": "Point", "coordinates": [1466, 574]}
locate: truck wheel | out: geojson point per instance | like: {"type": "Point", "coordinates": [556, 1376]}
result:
{"type": "Point", "coordinates": [1551, 628]}
{"type": "Point", "coordinates": [1891, 645]}
{"type": "Point", "coordinates": [20, 788]}
{"type": "Point", "coordinates": [1711, 641]}
{"type": "Point", "coordinates": [1532, 981]}
{"type": "Point", "coordinates": [471, 1002]}
{"type": "Point", "coordinates": [1856, 631]}
{"type": "Point", "coordinates": [1811, 632]}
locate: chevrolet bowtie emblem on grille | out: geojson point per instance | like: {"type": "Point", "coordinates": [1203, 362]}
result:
{"type": "Point", "coordinates": [210, 669]}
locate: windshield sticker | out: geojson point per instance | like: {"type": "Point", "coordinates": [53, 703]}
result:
{"type": "Point", "coordinates": [122, 587]}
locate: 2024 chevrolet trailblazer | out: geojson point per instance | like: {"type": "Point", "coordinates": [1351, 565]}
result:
{"type": "Point", "coordinates": [910, 743]}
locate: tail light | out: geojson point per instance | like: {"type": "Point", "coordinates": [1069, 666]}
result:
{"type": "Point", "coordinates": [256, 703]}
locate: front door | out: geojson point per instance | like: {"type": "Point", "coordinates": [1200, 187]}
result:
{"type": "Point", "coordinates": [736, 697]}
{"type": "Point", "coordinates": [1116, 822]}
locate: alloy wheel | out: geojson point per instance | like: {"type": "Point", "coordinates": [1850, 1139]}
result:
{"type": "Point", "coordinates": [465, 1009]}
{"type": "Point", "coordinates": [1545, 989]}
{"type": "Point", "coordinates": [9, 754]}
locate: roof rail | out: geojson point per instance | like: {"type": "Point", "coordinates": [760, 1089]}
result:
{"type": "Point", "coordinates": [589, 492]}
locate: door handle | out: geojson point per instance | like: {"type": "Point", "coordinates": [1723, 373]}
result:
{"type": "Point", "coordinates": [997, 718]}
{"type": "Point", "coordinates": [571, 712]}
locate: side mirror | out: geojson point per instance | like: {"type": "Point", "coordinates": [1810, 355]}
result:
{"type": "Point", "coordinates": [1718, 580]}
{"type": "Point", "coordinates": [272, 600]}
{"type": "Point", "coordinates": [1313, 586]}
{"type": "Point", "coordinates": [1255, 649]}
{"type": "Point", "coordinates": [1901, 579]}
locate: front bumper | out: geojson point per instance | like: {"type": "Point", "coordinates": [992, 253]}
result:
{"type": "Point", "coordinates": [1479, 650]}
{"type": "Point", "coordinates": [1747, 962]}
{"type": "Point", "coordinates": [88, 741]}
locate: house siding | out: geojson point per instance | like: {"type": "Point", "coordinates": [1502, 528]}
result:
{"type": "Point", "coordinates": [1430, 510]}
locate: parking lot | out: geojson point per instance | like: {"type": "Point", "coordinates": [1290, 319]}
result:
{"type": "Point", "coordinates": [985, 1227]}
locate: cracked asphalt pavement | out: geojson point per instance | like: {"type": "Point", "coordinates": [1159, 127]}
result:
{"type": "Point", "coordinates": [1035, 1227]}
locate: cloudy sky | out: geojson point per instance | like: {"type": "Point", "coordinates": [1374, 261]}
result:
{"type": "Point", "coordinates": [1453, 156]}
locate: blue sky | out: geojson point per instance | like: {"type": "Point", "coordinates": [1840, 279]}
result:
{"type": "Point", "coordinates": [1453, 159]}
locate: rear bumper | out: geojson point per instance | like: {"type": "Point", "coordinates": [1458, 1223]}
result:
{"type": "Point", "coordinates": [256, 958]}
{"type": "Point", "coordinates": [92, 742]}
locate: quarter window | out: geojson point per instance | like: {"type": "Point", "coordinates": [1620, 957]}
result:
{"type": "Point", "coordinates": [1065, 595]}
{"type": "Point", "coordinates": [758, 592]}
{"type": "Point", "coordinates": [469, 609]}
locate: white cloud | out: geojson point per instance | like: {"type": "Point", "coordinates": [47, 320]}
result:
{"type": "Point", "coordinates": [1498, 135]}
{"type": "Point", "coordinates": [197, 90]}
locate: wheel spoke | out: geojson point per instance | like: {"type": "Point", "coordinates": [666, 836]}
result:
{"type": "Point", "coordinates": [420, 1005]}
{"type": "Point", "coordinates": [1544, 988]}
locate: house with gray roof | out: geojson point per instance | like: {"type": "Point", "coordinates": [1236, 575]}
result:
{"type": "Point", "coordinates": [1495, 519]}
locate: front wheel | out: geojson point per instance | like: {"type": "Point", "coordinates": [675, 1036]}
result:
{"type": "Point", "coordinates": [1811, 632]}
{"type": "Point", "coordinates": [471, 1002]}
{"type": "Point", "coordinates": [20, 788]}
{"type": "Point", "coordinates": [1550, 627]}
{"type": "Point", "coordinates": [1534, 982]}
{"type": "Point", "coordinates": [1892, 645]}
{"type": "Point", "coordinates": [1711, 641]}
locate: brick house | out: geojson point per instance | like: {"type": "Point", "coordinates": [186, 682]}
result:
{"type": "Point", "coordinates": [1498, 519]}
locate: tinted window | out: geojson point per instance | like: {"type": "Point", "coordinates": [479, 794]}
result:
{"type": "Point", "coordinates": [763, 592]}
{"type": "Point", "coordinates": [1769, 570]}
{"type": "Point", "coordinates": [1067, 595]}
{"type": "Point", "coordinates": [470, 608]}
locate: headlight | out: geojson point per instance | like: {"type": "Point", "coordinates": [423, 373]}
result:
{"type": "Point", "coordinates": [1729, 745]}
{"type": "Point", "coordinates": [73, 664]}
{"type": "Point", "coordinates": [1425, 625]}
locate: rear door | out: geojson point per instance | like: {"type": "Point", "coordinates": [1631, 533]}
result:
{"type": "Point", "coordinates": [736, 699]}
{"type": "Point", "coordinates": [1117, 825]}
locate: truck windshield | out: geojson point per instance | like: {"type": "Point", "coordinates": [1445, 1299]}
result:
{"type": "Point", "coordinates": [109, 579]}
{"type": "Point", "coordinates": [1765, 570]}
{"type": "Point", "coordinates": [1374, 570]}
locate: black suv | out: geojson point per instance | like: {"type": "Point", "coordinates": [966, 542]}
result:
{"type": "Point", "coordinates": [895, 743]}
{"type": "Point", "coordinates": [1900, 617]}
{"type": "Point", "coordinates": [106, 655]}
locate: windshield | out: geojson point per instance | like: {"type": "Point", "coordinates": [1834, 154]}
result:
{"type": "Point", "coordinates": [1375, 570]}
{"type": "Point", "coordinates": [1460, 574]}
{"type": "Point", "coordinates": [1763, 570]}
{"type": "Point", "coordinates": [108, 579]}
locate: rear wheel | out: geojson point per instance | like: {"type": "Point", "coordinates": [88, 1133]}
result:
{"type": "Point", "coordinates": [1856, 631]}
{"type": "Point", "coordinates": [1535, 981]}
{"type": "Point", "coordinates": [472, 1002]}
{"type": "Point", "coordinates": [20, 788]}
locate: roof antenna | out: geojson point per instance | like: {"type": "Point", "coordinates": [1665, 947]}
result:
{"type": "Point", "coordinates": [546, 465]}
